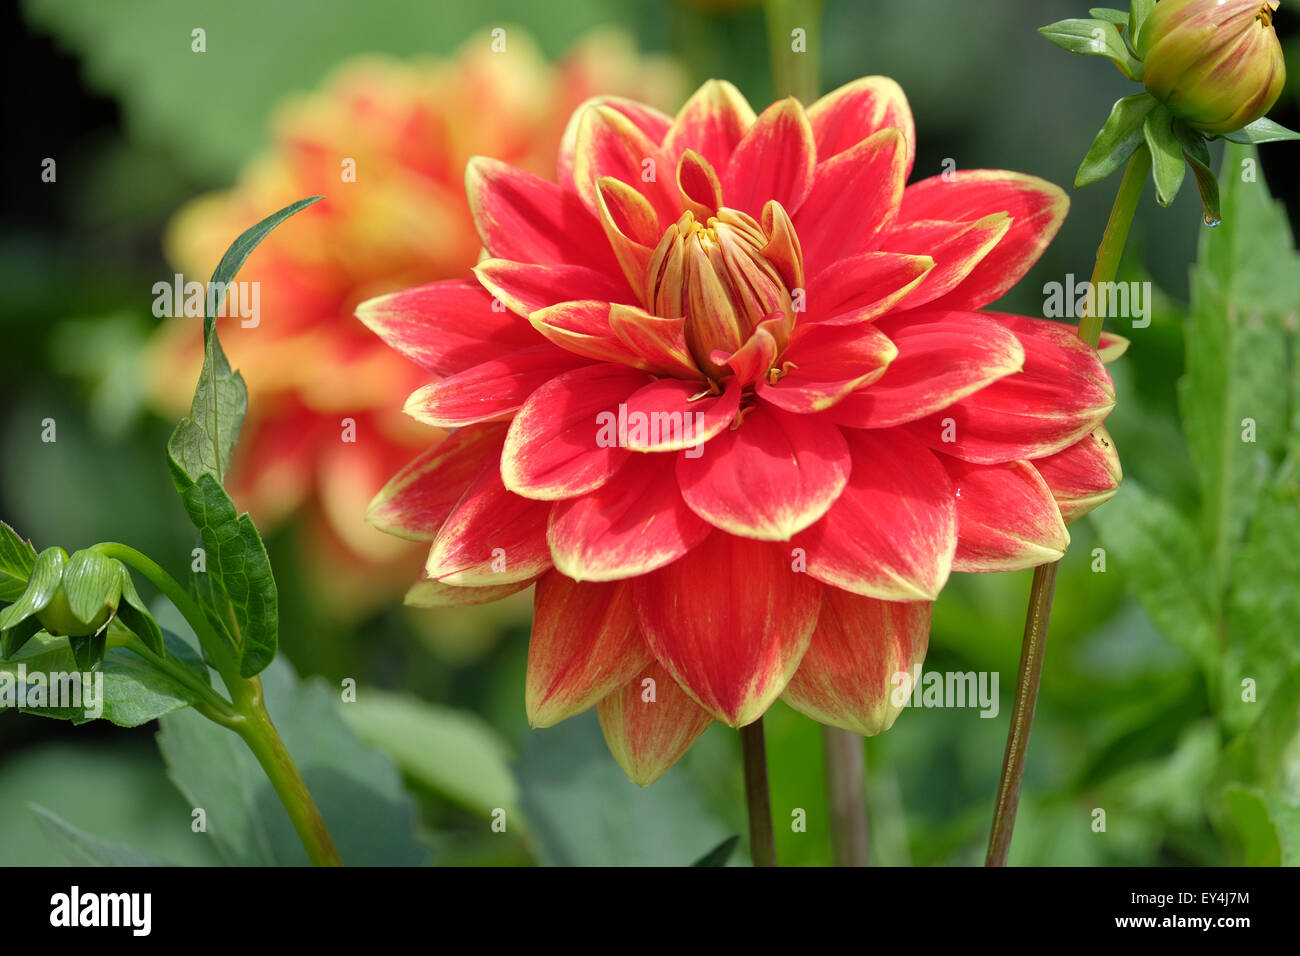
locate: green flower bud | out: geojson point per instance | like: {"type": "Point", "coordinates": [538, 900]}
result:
{"type": "Point", "coordinates": [1216, 64]}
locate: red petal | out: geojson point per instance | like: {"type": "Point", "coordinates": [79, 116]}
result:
{"type": "Point", "coordinates": [774, 160]}
{"type": "Point", "coordinates": [843, 118]}
{"type": "Point", "coordinates": [583, 328]}
{"type": "Point", "coordinates": [428, 593]}
{"type": "Point", "coordinates": [650, 121]}
{"type": "Point", "coordinates": [864, 287]}
{"type": "Point", "coordinates": [491, 537]}
{"type": "Point", "coordinates": [1062, 393]}
{"type": "Point", "coordinates": [559, 445]}
{"type": "Point", "coordinates": [491, 391]}
{"type": "Point", "coordinates": [729, 621]}
{"type": "Point", "coordinates": [445, 326]}
{"type": "Point", "coordinates": [893, 530]}
{"type": "Point", "coordinates": [1006, 517]}
{"type": "Point", "coordinates": [632, 227]}
{"type": "Point", "coordinates": [633, 524]}
{"type": "Point", "coordinates": [1111, 346]}
{"type": "Point", "coordinates": [659, 342]}
{"type": "Point", "coordinates": [418, 499]}
{"type": "Point", "coordinates": [770, 478]}
{"type": "Point", "coordinates": [678, 415]}
{"type": "Point", "coordinates": [523, 217]}
{"type": "Point", "coordinates": [942, 357]}
{"type": "Point", "coordinates": [1084, 475]}
{"type": "Point", "coordinates": [610, 144]}
{"type": "Point", "coordinates": [827, 365]}
{"type": "Point", "coordinates": [852, 674]}
{"type": "Point", "coordinates": [649, 723]}
{"type": "Point", "coordinates": [1036, 206]}
{"type": "Point", "coordinates": [525, 288]}
{"type": "Point", "coordinates": [585, 644]}
{"type": "Point", "coordinates": [855, 195]}
{"type": "Point", "coordinates": [713, 122]}
{"type": "Point", "coordinates": [956, 248]}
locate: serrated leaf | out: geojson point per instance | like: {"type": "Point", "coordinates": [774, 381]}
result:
{"type": "Point", "coordinates": [238, 587]}
{"type": "Point", "coordinates": [1156, 549]}
{"type": "Point", "coordinates": [1262, 131]}
{"type": "Point", "coordinates": [82, 849]}
{"type": "Point", "coordinates": [358, 791]}
{"type": "Point", "coordinates": [452, 752]}
{"type": "Point", "coordinates": [1167, 165]}
{"type": "Point", "coordinates": [1118, 139]}
{"type": "Point", "coordinates": [720, 854]}
{"type": "Point", "coordinates": [134, 693]}
{"type": "Point", "coordinates": [1094, 38]}
{"type": "Point", "coordinates": [16, 559]}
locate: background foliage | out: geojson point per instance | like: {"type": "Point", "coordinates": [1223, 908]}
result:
{"type": "Point", "coordinates": [1141, 712]}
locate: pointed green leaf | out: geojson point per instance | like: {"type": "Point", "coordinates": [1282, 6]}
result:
{"type": "Point", "coordinates": [238, 588]}
{"type": "Point", "coordinates": [16, 559]}
{"type": "Point", "coordinates": [1197, 155]}
{"type": "Point", "coordinates": [134, 614]}
{"type": "Point", "coordinates": [47, 574]}
{"type": "Point", "coordinates": [88, 650]}
{"type": "Point", "coordinates": [1167, 165]}
{"type": "Point", "coordinates": [720, 854]}
{"type": "Point", "coordinates": [13, 639]}
{"type": "Point", "coordinates": [1095, 38]}
{"type": "Point", "coordinates": [1118, 140]}
{"type": "Point", "coordinates": [1117, 17]}
{"type": "Point", "coordinates": [1262, 131]}
{"type": "Point", "coordinates": [1138, 12]}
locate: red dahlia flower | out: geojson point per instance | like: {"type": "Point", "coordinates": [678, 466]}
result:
{"type": "Point", "coordinates": [723, 394]}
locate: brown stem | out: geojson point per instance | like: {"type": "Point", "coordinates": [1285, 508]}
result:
{"type": "Point", "coordinates": [762, 841]}
{"type": "Point", "coordinates": [847, 793]}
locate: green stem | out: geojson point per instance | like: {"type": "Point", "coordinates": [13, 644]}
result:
{"type": "Point", "coordinates": [245, 713]}
{"type": "Point", "coordinates": [762, 840]}
{"type": "Point", "coordinates": [846, 792]}
{"type": "Point", "coordinates": [1109, 253]}
{"type": "Point", "coordinates": [795, 72]}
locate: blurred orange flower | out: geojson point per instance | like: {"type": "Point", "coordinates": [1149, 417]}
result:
{"type": "Point", "coordinates": [386, 142]}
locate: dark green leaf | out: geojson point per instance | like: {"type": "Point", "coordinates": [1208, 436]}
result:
{"type": "Point", "coordinates": [238, 588]}
{"type": "Point", "coordinates": [134, 614]}
{"type": "Point", "coordinates": [720, 854]}
{"type": "Point", "coordinates": [82, 849]}
{"type": "Point", "coordinates": [242, 247]}
{"type": "Point", "coordinates": [16, 559]}
{"type": "Point", "coordinates": [13, 639]}
{"type": "Point", "coordinates": [47, 574]}
{"type": "Point", "coordinates": [1094, 38]}
{"type": "Point", "coordinates": [359, 792]}
{"type": "Point", "coordinates": [88, 650]}
{"type": "Point", "coordinates": [1197, 155]}
{"type": "Point", "coordinates": [1262, 131]}
{"type": "Point", "coordinates": [1167, 166]}
{"type": "Point", "coordinates": [1121, 135]}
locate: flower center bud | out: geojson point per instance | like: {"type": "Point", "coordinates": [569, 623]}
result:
{"type": "Point", "coordinates": [725, 276]}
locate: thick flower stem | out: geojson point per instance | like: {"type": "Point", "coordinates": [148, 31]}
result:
{"type": "Point", "coordinates": [762, 841]}
{"type": "Point", "coordinates": [795, 56]}
{"type": "Point", "coordinates": [245, 713]}
{"type": "Point", "coordinates": [1109, 253]}
{"type": "Point", "coordinates": [846, 792]}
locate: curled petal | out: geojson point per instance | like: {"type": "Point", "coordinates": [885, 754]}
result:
{"type": "Point", "coordinates": [491, 391]}
{"type": "Point", "coordinates": [649, 723]}
{"type": "Point", "coordinates": [1084, 475]}
{"type": "Point", "coordinates": [1111, 346]}
{"type": "Point", "coordinates": [774, 160]}
{"type": "Point", "coordinates": [524, 288]}
{"type": "Point", "coordinates": [754, 359]}
{"type": "Point", "coordinates": [659, 342]}
{"type": "Point", "coordinates": [892, 532]}
{"type": "Point", "coordinates": [770, 478]}
{"type": "Point", "coordinates": [864, 287]}
{"type": "Point", "coordinates": [956, 248]}
{"type": "Point", "coordinates": [631, 226]}
{"type": "Point", "coordinates": [651, 122]}
{"type": "Point", "coordinates": [730, 622]}
{"type": "Point", "coordinates": [1006, 517]}
{"type": "Point", "coordinates": [611, 144]}
{"type": "Point", "coordinates": [563, 441]}
{"type": "Point", "coordinates": [583, 328]}
{"type": "Point", "coordinates": [418, 499]}
{"type": "Point", "coordinates": [1037, 209]}
{"type": "Point", "coordinates": [698, 184]}
{"type": "Point", "coordinates": [445, 326]}
{"type": "Point", "coordinates": [633, 524]}
{"type": "Point", "coordinates": [862, 662]}
{"type": "Point", "coordinates": [827, 365]}
{"type": "Point", "coordinates": [585, 644]}
{"type": "Point", "coordinates": [843, 118]}
{"type": "Point", "coordinates": [428, 593]}
{"type": "Point", "coordinates": [673, 415]}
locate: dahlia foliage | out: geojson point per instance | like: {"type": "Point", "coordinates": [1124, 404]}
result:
{"type": "Point", "coordinates": [722, 393]}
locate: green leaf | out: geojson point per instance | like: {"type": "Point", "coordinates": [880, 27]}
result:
{"type": "Point", "coordinates": [16, 559]}
{"type": "Point", "coordinates": [47, 575]}
{"type": "Point", "coordinates": [1117, 17]}
{"type": "Point", "coordinates": [720, 854]}
{"type": "Point", "coordinates": [1138, 12]}
{"type": "Point", "coordinates": [1119, 138]}
{"type": "Point", "coordinates": [583, 811]}
{"type": "Point", "coordinates": [134, 614]}
{"type": "Point", "coordinates": [1156, 550]}
{"type": "Point", "coordinates": [1197, 155]}
{"type": "Point", "coordinates": [92, 582]}
{"type": "Point", "coordinates": [203, 441]}
{"type": "Point", "coordinates": [1256, 833]}
{"type": "Point", "coordinates": [237, 589]}
{"type": "Point", "coordinates": [1167, 167]}
{"type": "Point", "coordinates": [452, 752]}
{"type": "Point", "coordinates": [82, 849]}
{"type": "Point", "coordinates": [359, 792]}
{"type": "Point", "coordinates": [1262, 131]}
{"type": "Point", "coordinates": [133, 692]}
{"type": "Point", "coordinates": [1095, 38]}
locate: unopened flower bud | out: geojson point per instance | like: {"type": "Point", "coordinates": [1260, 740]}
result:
{"type": "Point", "coordinates": [1216, 64]}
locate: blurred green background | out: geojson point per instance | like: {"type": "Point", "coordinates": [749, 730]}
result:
{"type": "Point", "coordinates": [1133, 718]}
